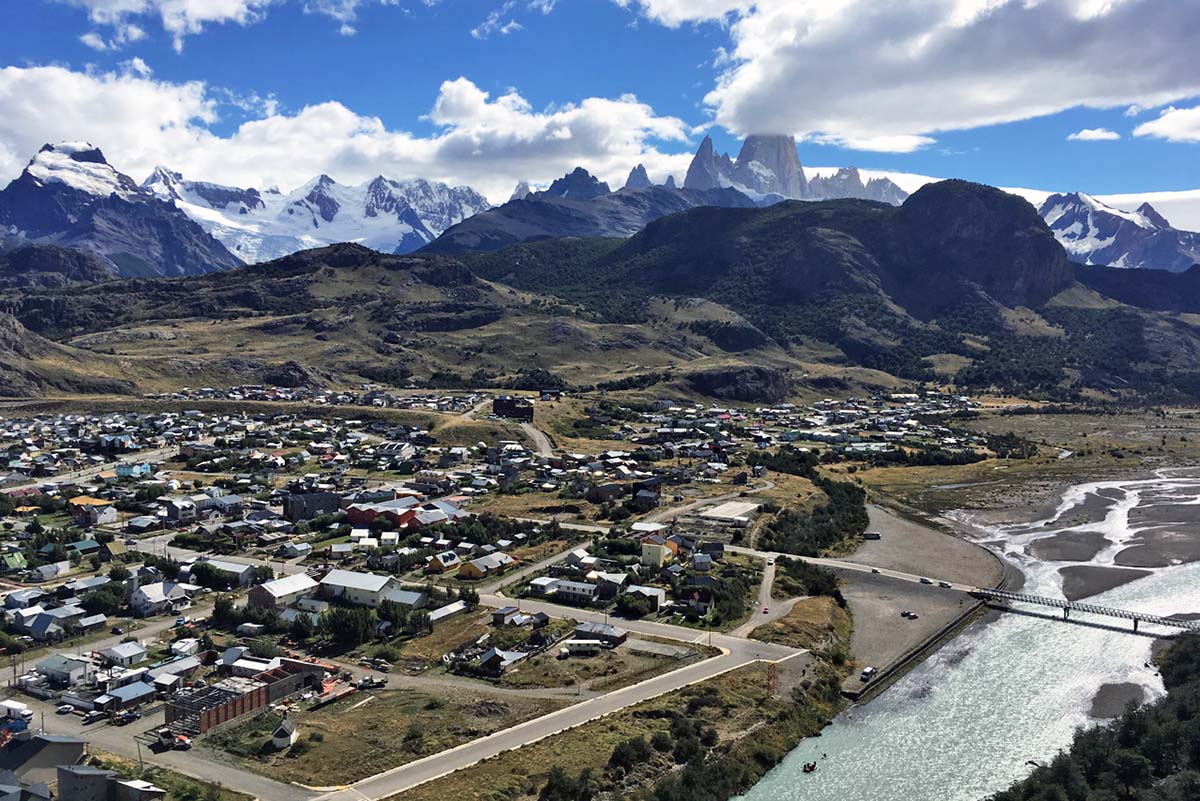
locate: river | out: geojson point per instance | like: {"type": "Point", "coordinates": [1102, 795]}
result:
{"type": "Point", "coordinates": [963, 724]}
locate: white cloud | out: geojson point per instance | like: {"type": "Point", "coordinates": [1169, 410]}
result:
{"type": "Point", "coordinates": [494, 22]}
{"type": "Point", "coordinates": [892, 75]}
{"type": "Point", "coordinates": [94, 41]}
{"type": "Point", "coordinates": [182, 18]}
{"type": "Point", "coordinates": [674, 13]}
{"type": "Point", "coordinates": [485, 141]}
{"type": "Point", "coordinates": [1093, 135]}
{"type": "Point", "coordinates": [1174, 125]}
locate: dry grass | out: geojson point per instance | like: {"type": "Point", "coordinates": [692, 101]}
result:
{"type": "Point", "coordinates": [605, 672]}
{"type": "Point", "coordinates": [812, 623]}
{"type": "Point", "coordinates": [738, 705]}
{"type": "Point", "coordinates": [351, 740]}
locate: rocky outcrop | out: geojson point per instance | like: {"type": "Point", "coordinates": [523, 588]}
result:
{"type": "Point", "coordinates": [578, 184]}
{"type": "Point", "coordinates": [748, 384]}
{"type": "Point", "coordinates": [848, 183]}
{"type": "Point", "coordinates": [638, 179]}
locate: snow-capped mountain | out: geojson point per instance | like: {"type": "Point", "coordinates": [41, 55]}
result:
{"type": "Point", "coordinates": [1096, 233]}
{"type": "Point", "coordinates": [70, 196]}
{"type": "Point", "coordinates": [383, 214]}
{"type": "Point", "coordinates": [768, 168]}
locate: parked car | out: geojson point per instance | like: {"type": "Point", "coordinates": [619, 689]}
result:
{"type": "Point", "coordinates": [766, 609]}
{"type": "Point", "coordinates": [93, 716]}
{"type": "Point", "coordinates": [945, 584]}
{"type": "Point", "coordinates": [926, 581]}
{"type": "Point", "coordinates": [118, 630]}
{"type": "Point", "coordinates": [65, 709]}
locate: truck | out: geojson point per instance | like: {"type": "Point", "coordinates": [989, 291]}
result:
{"type": "Point", "coordinates": [170, 741]}
{"type": "Point", "coordinates": [15, 710]}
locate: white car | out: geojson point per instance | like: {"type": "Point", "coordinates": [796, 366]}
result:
{"type": "Point", "coordinates": [65, 709]}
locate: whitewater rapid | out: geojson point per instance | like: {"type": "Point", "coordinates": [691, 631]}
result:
{"type": "Point", "coordinates": [966, 722]}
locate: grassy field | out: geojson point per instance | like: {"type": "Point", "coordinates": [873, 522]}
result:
{"type": "Point", "coordinates": [367, 734]}
{"type": "Point", "coordinates": [607, 671]}
{"type": "Point", "coordinates": [753, 731]}
{"type": "Point", "coordinates": [1091, 446]}
{"type": "Point", "coordinates": [812, 623]}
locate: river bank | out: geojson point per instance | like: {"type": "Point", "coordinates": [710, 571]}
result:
{"type": "Point", "coordinates": [1029, 675]}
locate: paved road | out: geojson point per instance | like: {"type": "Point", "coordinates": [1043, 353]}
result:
{"type": "Point", "coordinates": [840, 564]}
{"type": "Point", "coordinates": [120, 740]}
{"type": "Point", "coordinates": [156, 455]}
{"type": "Point", "coordinates": [160, 544]}
{"type": "Point", "coordinates": [541, 442]}
{"type": "Point", "coordinates": [416, 773]}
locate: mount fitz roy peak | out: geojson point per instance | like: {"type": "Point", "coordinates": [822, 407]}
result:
{"type": "Point", "coordinates": [769, 165]}
{"type": "Point", "coordinates": [383, 214]}
{"type": "Point", "coordinates": [1095, 233]}
{"type": "Point", "coordinates": [70, 196]}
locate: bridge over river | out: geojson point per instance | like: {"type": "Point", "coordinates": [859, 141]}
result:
{"type": "Point", "coordinates": [1074, 606]}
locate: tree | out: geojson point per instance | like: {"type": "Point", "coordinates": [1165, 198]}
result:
{"type": "Point", "coordinates": [469, 596]}
{"type": "Point", "coordinates": [348, 626]}
{"type": "Point", "coordinates": [118, 572]}
{"type": "Point", "coordinates": [302, 628]}
{"type": "Point", "coordinates": [223, 611]}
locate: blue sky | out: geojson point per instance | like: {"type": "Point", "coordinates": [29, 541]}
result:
{"type": "Point", "coordinates": [965, 106]}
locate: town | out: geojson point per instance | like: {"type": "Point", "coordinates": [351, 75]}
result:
{"type": "Point", "coordinates": [242, 581]}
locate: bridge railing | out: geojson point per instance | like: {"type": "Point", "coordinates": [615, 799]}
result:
{"type": "Point", "coordinates": [1093, 609]}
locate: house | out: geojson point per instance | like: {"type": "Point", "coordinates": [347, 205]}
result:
{"type": "Point", "coordinates": [292, 550]}
{"type": "Point", "coordinates": [505, 615]}
{"type": "Point", "coordinates": [89, 511]}
{"type": "Point", "coordinates": [126, 697]}
{"type": "Point", "coordinates": [285, 735]}
{"type": "Point", "coordinates": [63, 671]}
{"type": "Point", "coordinates": [238, 574]}
{"type": "Point", "coordinates": [123, 654]}
{"type": "Point", "coordinates": [611, 636]}
{"type": "Point", "coordinates": [180, 510]}
{"type": "Point", "coordinates": [512, 407]}
{"type": "Point", "coordinates": [443, 562]}
{"type": "Point", "coordinates": [35, 759]}
{"type": "Point", "coordinates": [307, 505]}
{"type": "Point", "coordinates": [485, 566]}
{"type": "Point", "coordinates": [53, 625]}
{"type": "Point", "coordinates": [544, 585]}
{"type": "Point", "coordinates": [576, 592]}
{"type": "Point", "coordinates": [87, 783]}
{"type": "Point", "coordinates": [282, 592]}
{"type": "Point", "coordinates": [656, 594]}
{"type": "Point", "coordinates": [159, 597]}
{"type": "Point", "coordinates": [23, 599]}
{"type": "Point", "coordinates": [409, 599]}
{"type": "Point", "coordinates": [655, 555]}
{"type": "Point", "coordinates": [364, 589]}
{"type": "Point", "coordinates": [702, 562]}
{"type": "Point", "coordinates": [495, 661]}
{"type": "Point", "coordinates": [132, 470]}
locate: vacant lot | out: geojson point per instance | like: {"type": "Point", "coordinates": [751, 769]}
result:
{"type": "Point", "coordinates": [367, 734]}
{"type": "Point", "coordinates": [633, 662]}
{"type": "Point", "coordinates": [817, 624]}
{"type": "Point", "coordinates": [753, 730]}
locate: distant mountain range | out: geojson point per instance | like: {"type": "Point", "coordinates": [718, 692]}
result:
{"type": "Point", "coordinates": [962, 284]}
{"type": "Point", "coordinates": [769, 167]}
{"type": "Point", "coordinates": [767, 171]}
{"type": "Point", "coordinates": [70, 199]}
{"type": "Point", "coordinates": [383, 214]}
{"type": "Point", "coordinates": [69, 196]}
{"type": "Point", "coordinates": [1095, 233]}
